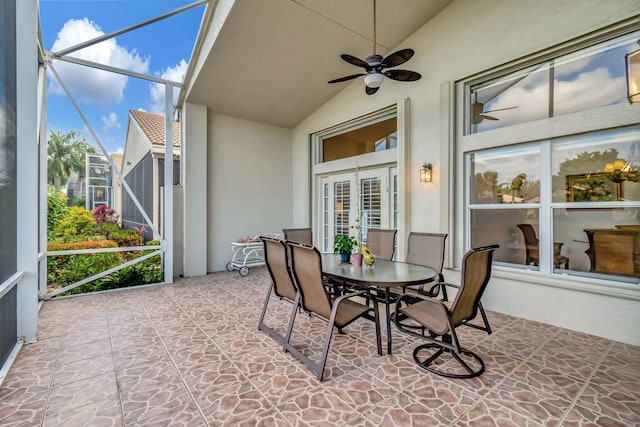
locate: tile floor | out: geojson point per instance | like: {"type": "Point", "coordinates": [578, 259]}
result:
{"type": "Point", "coordinates": [189, 354]}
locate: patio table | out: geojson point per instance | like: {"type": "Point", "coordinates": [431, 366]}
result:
{"type": "Point", "coordinates": [381, 278]}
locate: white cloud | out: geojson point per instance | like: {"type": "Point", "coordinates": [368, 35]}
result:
{"type": "Point", "coordinates": [175, 74]}
{"type": "Point", "coordinates": [110, 122]}
{"type": "Point", "coordinates": [90, 85]}
{"type": "Point", "coordinates": [118, 151]}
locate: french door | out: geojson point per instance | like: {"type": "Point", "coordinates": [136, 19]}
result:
{"type": "Point", "coordinates": [344, 194]}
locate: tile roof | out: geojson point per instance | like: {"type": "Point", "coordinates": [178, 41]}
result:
{"type": "Point", "coordinates": [118, 160]}
{"type": "Point", "coordinates": [152, 125]}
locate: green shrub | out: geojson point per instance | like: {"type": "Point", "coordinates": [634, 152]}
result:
{"type": "Point", "coordinates": [56, 209]}
{"type": "Point", "coordinates": [126, 238]}
{"type": "Point", "coordinates": [66, 269]}
{"type": "Point", "coordinates": [78, 225]}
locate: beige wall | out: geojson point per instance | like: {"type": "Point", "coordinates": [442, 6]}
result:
{"type": "Point", "coordinates": [136, 147]}
{"type": "Point", "coordinates": [249, 175]}
{"type": "Point", "coordinates": [469, 37]}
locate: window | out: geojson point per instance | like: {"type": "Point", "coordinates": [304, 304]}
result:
{"type": "Point", "coordinates": [372, 137]}
{"type": "Point", "coordinates": [557, 202]}
{"type": "Point", "coordinates": [506, 189]}
{"type": "Point", "coordinates": [590, 78]}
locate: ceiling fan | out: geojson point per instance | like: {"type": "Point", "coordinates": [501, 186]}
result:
{"type": "Point", "coordinates": [375, 65]}
{"type": "Point", "coordinates": [478, 114]}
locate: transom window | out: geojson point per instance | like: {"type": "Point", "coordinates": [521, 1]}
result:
{"type": "Point", "coordinates": [590, 78]}
{"type": "Point", "coordinates": [373, 137]}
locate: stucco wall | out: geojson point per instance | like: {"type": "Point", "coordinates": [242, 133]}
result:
{"type": "Point", "coordinates": [469, 37]}
{"type": "Point", "coordinates": [137, 145]}
{"type": "Point", "coordinates": [249, 183]}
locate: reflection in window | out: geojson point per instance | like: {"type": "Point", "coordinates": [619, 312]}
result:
{"type": "Point", "coordinates": [505, 227]}
{"type": "Point", "coordinates": [506, 175]}
{"type": "Point", "coordinates": [590, 78]}
{"type": "Point", "coordinates": [600, 241]}
{"type": "Point", "coordinates": [602, 167]}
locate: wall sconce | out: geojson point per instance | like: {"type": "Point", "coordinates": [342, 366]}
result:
{"type": "Point", "coordinates": [633, 76]}
{"type": "Point", "coordinates": [426, 173]}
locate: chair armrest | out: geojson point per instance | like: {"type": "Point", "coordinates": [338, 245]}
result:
{"type": "Point", "coordinates": [440, 327]}
{"type": "Point", "coordinates": [452, 285]}
{"type": "Point", "coordinates": [349, 295]}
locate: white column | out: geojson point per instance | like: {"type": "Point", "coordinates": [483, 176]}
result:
{"type": "Point", "coordinates": [168, 184]}
{"type": "Point", "coordinates": [42, 195]}
{"type": "Point", "coordinates": [194, 172]}
{"type": "Point", "coordinates": [27, 167]}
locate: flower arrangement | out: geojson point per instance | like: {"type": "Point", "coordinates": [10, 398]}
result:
{"type": "Point", "coordinates": [369, 257]}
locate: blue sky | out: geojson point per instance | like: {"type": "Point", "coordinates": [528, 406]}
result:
{"type": "Point", "coordinates": [161, 49]}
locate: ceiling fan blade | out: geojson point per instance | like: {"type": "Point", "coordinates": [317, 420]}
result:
{"type": "Point", "coordinates": [354, 61]}
{"type": "Point", "coordinates": [403, 75]}
{"type": "Point", "coordinates": [397, 58]}
{"type": "Point", "coordinates": [476, 119]}
{"type": "Point", "coordinates": [344, 79]}
{"type": "Point", "coordinates": [501, 109]}
{"type": "Point", "coordinates": [371, 90]}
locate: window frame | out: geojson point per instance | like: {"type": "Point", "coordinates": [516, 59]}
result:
{"type": "Point", "coordinates": [543, 131]}
{"type": "Point", "coordinates": [398, 157]}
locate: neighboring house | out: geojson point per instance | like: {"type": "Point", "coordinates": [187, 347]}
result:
{"type": "Point", "coordinates": [143, 168]}
{"type": "Point", "coordinates": [76, 188]}
{"type": "Point", "coordinates": [98, 177]}
{"type": "Point", "coordinates": [116, 185]}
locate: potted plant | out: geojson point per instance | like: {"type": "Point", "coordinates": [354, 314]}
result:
{"type": "Point", "coordinates": [343, 244]}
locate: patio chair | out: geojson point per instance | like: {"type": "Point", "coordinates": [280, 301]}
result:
{"type": "Point", "coordinates": [381, 242]}
{"type": "Point", "coordinates": [428, 249]}
{"type": "Point", "coordinates": [533, 252]}
{"type": "Point", "coordinates": [315, 300]}
{"type": "Point", "coordinates": [277, 261]}
{"type": "Point", "coordinates": [441, 318]}
{"type": "Point", "coordinates": [299, 235]}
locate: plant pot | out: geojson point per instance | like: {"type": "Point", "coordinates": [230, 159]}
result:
{"type": "Point", "coordinates": [357, 260]}
{"type": "Point", "coordinates": [344, 257]}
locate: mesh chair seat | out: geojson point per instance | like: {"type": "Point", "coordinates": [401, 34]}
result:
{"type": "Point", "coordinates": [306, 265]}
{"type": "Point", "coordinates": [277, 262]}
{"type": "Point", "coordinates": [428, 249]}
{"type": "Point", "coordinates": [349, 311]}
{"type": "Point", "coordinates": [298, 235]}
{"type": "Point", "coordinates": [441, 318]}
{"type": "Point", "coordinates": [382, 242]}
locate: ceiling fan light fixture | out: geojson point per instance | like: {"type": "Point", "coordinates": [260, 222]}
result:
{"type": "Point", "coordinates": [373, 80]}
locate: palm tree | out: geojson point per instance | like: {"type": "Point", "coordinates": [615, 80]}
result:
{"type": "Point", "coordinates": [66, 153]}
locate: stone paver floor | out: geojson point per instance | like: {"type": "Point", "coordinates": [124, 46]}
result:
{"type": "Point", "coordinates": [189, 354]}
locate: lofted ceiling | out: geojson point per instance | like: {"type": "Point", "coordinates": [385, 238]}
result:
{"type": "Point", "coordinates": [272, 59]}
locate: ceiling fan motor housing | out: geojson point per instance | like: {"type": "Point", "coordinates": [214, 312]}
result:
{"type": "Point", "coordinates": [374, 60]}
